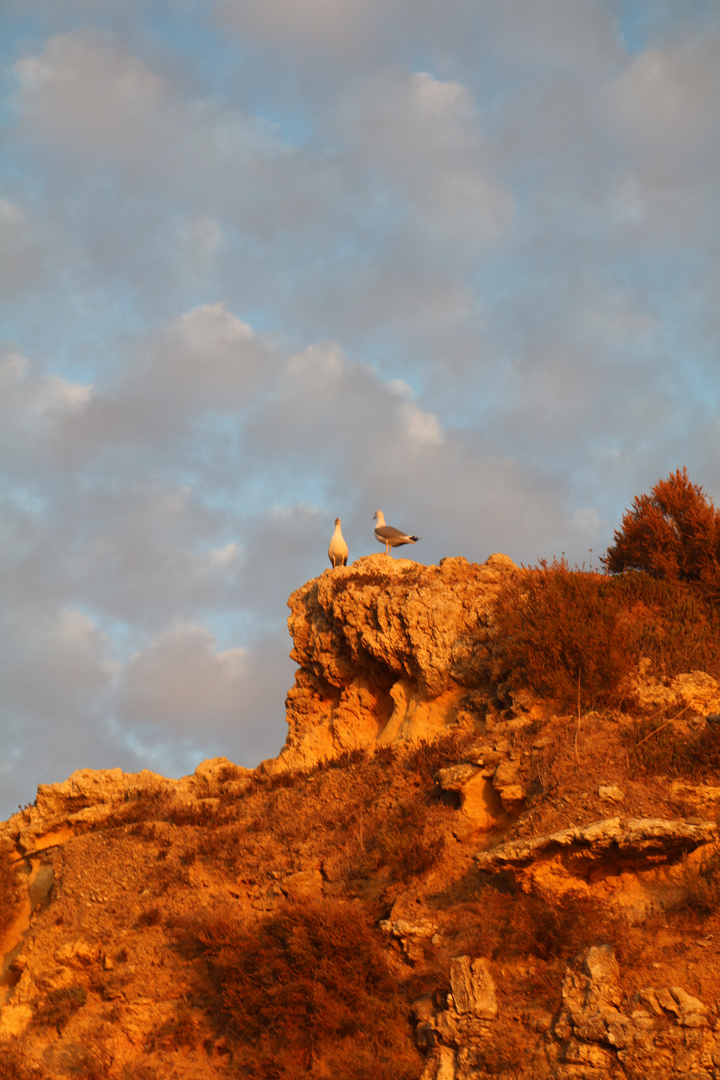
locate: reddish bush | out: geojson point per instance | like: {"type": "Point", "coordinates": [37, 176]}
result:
{"type": "Point", "coordinates": [307, 993]}
{"type": "Point", "coordinates": [559, 632]}
{"type": "Point", "coordinates": [674, 533]}
{"type": "Point", "coordinates": [502, 925]}
{"type": "Point", "coordinates": [563, 632]}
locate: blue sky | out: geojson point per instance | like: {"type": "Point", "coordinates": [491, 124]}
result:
{"type": "Point", "coordinates": [266, 264]}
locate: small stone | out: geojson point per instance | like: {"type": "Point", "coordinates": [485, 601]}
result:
{"type": "Point", "coordinates": [454, 777]}
{"type": "Point", "coordinates": [611, 793]}
{"type": "Point", "coordinates": [693, 1020]}
{"type": "Point", "coordinates": [688, 1003]}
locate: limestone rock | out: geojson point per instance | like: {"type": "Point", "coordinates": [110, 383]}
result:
{"type": "Point", "coordinates": [89, 797]}
{"type": "Point", "coordinates": [596, 1032]}
{"type": "Point", "coordinates": [14, 1019]}
{"type": "Point", "coordinates": [303, 883]}
{"type": "Point", "coordinates": [440, 1065]}
{"type": "Point", "coordinates": [388, 650]}
{"type": "Point", "coordinates": [455, 777]}
{"type": "Point", "coordinates": [473, 988]}
{"type": "Point", "coordinates": [77, 954]}
{"type": "Point", "coordinates": [703, 799]}
{"type": "Point", "coordinates": [695, 691]}
{"type": "Point", "coordinates": [610, 793]}
{"type": "Point", "coordinates": [411, 935]}
{"type": "Point", "coordinates": [610, 838]}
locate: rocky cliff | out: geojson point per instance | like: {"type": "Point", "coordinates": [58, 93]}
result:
{"type": "Point", "coordinates": [389, 650]}
{"type": "Point", "coordinates": [486, 884]}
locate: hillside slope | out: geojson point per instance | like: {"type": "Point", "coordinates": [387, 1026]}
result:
{"type": "Point", "coordinates": [443, 874]}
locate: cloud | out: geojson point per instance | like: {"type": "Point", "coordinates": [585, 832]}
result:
{"type": "Point", "coordinates": [181, 682]}
{"type": "Point", "coordinates": [207, 361]}
{"type": "Point", "coordinates": [422, 135]}
{"type": "Point", "coordinates": [54, 660]}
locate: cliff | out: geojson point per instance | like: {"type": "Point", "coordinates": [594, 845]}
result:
{"type": "Point", "coordinates": [389, 650]}
{"type": "Point", "coordinates": [436, 878]}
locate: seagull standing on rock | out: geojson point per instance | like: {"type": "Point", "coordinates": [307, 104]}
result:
{"type": "Point", "coordinates": [390, 536]}
{"type": "Point", "coordinates": [338, 550]}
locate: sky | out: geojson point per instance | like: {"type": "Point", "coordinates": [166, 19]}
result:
{"type": "Point", "coordinates": [268, 262]}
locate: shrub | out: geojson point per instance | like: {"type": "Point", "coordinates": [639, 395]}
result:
{"type": "Point", "coordinates": [14, 1066]}
{"type": "Point", "coordinates": [560, 631]}
{"type": "Point", "coordinates": [566, 633]}
{"type": "Point", "coordinates": [151, 916]}
{"type": "Point", "coordinates": [59, 1005]}
{"type": "Point", "coordinates": [702, 885]}
{"type": "Point", "coordinates": [674, 533]}
{"type": "Point", "coordinates": [402, 844]}
{"type": "Point", "coordinates": [307, 992]}
{"type": "Point", "coordinates": [501, 926]}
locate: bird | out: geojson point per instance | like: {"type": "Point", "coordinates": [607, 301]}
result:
{"type": "Point", "coordinates": [338, 550]}
{"type": "Point", "coordinates": [390, 536]}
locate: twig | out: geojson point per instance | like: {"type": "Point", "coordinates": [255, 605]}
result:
{"type": "Point", "coordinates": [655, 730]}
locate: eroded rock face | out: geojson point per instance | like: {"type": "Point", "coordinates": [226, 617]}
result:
{"type": "Point", "coordinates": [90, 796]}
{"type": "Point", "coordinates": [597, 1032]}
{"type": "Point", "coordinates": [630, 840]}
{"type": "Point", "coordinates": [629, 861]}
{"type": "Point", "coordinates": [388, 650]}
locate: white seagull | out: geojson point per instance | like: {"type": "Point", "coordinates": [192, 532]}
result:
{"type": "Point", "coordinates": [338, 550]}
{"type": "Point", "coordinates": [390, 536]}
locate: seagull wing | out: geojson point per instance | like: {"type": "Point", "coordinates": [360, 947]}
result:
{"type": "Point", "coordinates": [387, 532]}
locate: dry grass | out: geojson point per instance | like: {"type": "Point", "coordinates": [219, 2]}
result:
{"type": "Point", "coordinates": [59, 1005]}
{"type": "Point", "coordinates": [656, 746]}
{"type": "Point", "coordinates": [503, 925]}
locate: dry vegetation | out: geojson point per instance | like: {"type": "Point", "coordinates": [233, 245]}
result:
{"type": "Point", "coordinates": [308, 991]}
{"type": "Point", "coordinates": [576, 636]}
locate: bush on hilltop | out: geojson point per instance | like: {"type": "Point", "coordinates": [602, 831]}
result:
{"type": "Point", "coordinates": [672, 533]}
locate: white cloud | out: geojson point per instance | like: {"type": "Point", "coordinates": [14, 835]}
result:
{"type": "Point", "coordinates": [55, 661]}
{"type": "Point", "coordinates": [664, 100]}
{"type": "Point", "coordinates": [181, 682]}
{"type": "Point", "coordinates": [424, 136]}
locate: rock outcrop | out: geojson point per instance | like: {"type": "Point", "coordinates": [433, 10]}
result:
{"type": "Point", "coordinates": [389, 650]}
{"type": "Point", "coordinates": [92, 796]}
{"type": "Point", "coordinates": [628, 861]}
{"type": "Point", "coordinates": [597, 1033]}
{"type": "Point", "coordinates": [693, 691]}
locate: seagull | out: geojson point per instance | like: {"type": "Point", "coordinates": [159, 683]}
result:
{"type": "Point", "coordinates": [389, 536]}
{"type": "Point", "coordinates": [338, 550]}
